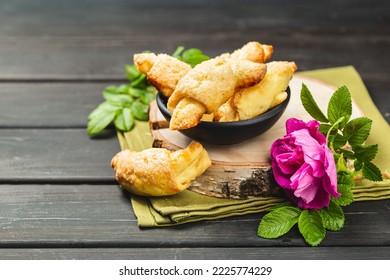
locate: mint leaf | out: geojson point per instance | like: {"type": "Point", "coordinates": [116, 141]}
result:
{"type": "Point", "coordinates": [99, 122]}
{"type": "Point", "coordinates": [191, 56]}
{"type": "Point", "coordinates": [194, 56]}
{"type": "Point", "coordinates": [102, 109]}
{"type": "Point", "coordinates": [140, 110]}
{"type": "Point", "coordinates": [332, 216]}
{"type": "Point", "coordinates": [310, 105]}
{"type": "Point", "coordinates": [340, 105]}
{"type": "Point", "coordinates": [345, 184]}
{"type": "Point", "coordinates": [357, 131]}
{"type": "Point", "coordinates": [132, 72]}
{"type": "Point", "coordinates": [371, 172]}
{"type": "Point", "coordinates": [125, 120]}
{"type": "Point", "coordinates": [365, 153]}
{"type": "Point", "coordinates": [310, 226]}
{"type": "Point", "coordinates": [278, 222]}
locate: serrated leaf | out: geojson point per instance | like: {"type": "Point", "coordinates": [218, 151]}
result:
{"type": "Point", "coordinates": [365, 153]}
{"type": "Point", "coordinates": [345, 184]}
{"type": "Point", "coordinates": [371, 172]}
{"type": "Point", "coordinates": [311, 227]}
{"type": "Point", "coordinates": [278, 222]}
{"type": "Point", "coordinates": [340, 105]}
{"type": "Point", "coordinates": [324, 128]}
{"type": "Point", "coordinates": [357, 131]}
{"type": "Point", "coordinates": [332, 216]}
{"type": "Point", "coordinates": [358, 165]}
{"type": "Point", "coordinates": [311, 106]}
{"type": "Point", "coordinates": [99, 122]}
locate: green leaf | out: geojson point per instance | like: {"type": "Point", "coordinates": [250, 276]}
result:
{"type": "Point", "coordinates": [140, 110]}
{"type": "Point", "coordinates": [310, 226]}
{"type": "Point", "coordinates": [132, 72]}
{"type": "Point", "coordinates": [365, 153]}
{"type": "Point", "coordinates": [147, 97]}
{"type": "Point", "coordinates": [99, 122]}
{"type": "Point", "coordinates": [341, 165]}
{"type": "Point", "coordinates": [371, 172]}
{"type": "Point", "coordinates": [103, 108]}
{"type": "Point", "coordinates": [324, 128]}
{"type": "Point", "coordinates": [357, 131]}
{"type": "Point", "coordinates": [345, 184]}
{"type": "Point", "coordinates": [358, 165]}
{"type": "Point", "coordinates": [125, 120]}
{"type": "Point", "coordinates": [339, 141]}
{"type": "Point", "coordinates": [340, 105]}
{"type": "Point", "coordinates": [311, 106]}
{"type": "Point", "coordinates": [136, 93]}
{"type": "Point", "coordinates": [117, 98]}
{"type": "Point", "coordinates": [191, 56]}
{"type": "Point", "coordinates": [278, 222]}
{"type": "Point", "coordinates": [332, 216]}
{"type": "Point", "coordinates": [194, 56]}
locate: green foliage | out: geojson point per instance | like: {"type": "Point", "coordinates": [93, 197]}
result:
{"type": "Point", "coordinates": [278, 222]}
{"type": "Point", "coordinates": [191, 56]}
{"type": "Point", "coordinates": [346, 139]}
{"type": "Point", "coordinates": [310, 105]}
{"type": "Point", "coordinates": [129, 102]}
{"type": "Point", "coordinates": [311, 227]}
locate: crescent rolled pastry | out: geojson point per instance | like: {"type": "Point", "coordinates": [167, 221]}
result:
{"type": "Point", "coordinates": [158, 171]}
{"type": "Point", "coordinates": [209, 85]}
{"type": "Point", "coordinates": [252, 101]}
{"type": "Point", "coordinates": [162, 71]}
{"type": "Point", "coordinates": [253, 51]}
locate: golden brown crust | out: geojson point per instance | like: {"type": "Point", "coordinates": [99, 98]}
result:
{"type": "Point", "coordinates": [211, 83]}
{"type": "Point", "coordinates": [163, 71]}
{"type": "Point", "coordinates": [253, 51]}
{"type": "Point", "coordinates": [253, 101]}
{"type": "Point", "coordinates": [159, 172]}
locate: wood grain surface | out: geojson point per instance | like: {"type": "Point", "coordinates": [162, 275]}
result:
{"type": "Point", "coordinates": [58, 195]}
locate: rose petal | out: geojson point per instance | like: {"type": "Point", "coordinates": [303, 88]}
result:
{"type": "Point", "coordinates": [304, 183]}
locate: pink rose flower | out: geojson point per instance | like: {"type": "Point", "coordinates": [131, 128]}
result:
{"type": "Point", "coordinates": [304, 166]}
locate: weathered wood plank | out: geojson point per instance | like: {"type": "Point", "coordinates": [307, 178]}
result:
{"type": "Point", "coordinates": [48, 104]}
{"type": "Point", "coordinates": [52, 155]}
{"type": "Point", "coordinates": [272, 253]}
{"type": "Point", "coordinates": [128, 18]}
{"type": "Point", "coordinates": [96, 216]}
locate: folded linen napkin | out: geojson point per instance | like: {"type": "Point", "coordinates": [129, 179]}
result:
{"type": "Point", "coordinates": [189, 206]}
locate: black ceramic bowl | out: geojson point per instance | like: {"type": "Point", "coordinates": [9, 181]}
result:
{"type": "Point", "coordinates": [224, 133]}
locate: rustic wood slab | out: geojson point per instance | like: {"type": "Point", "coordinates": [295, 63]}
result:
{"type": "Point", "coordinates": [243, 170]}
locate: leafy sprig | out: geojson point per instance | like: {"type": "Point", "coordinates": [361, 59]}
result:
{"type": "Point", "coordinates": [346, 138]}
{"type": "Point", "coordinates": [128, 102]}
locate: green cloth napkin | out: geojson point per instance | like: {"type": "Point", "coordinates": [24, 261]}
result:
{"type": "Point", "coordinates": [189, 206]}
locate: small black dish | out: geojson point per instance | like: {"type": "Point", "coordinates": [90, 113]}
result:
{"type": "Point", "coordinates": [226, 133]}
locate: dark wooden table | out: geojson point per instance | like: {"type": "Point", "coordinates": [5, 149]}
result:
{"type": "Point", "coordinates": [58, 195]}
